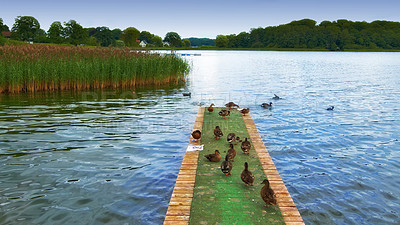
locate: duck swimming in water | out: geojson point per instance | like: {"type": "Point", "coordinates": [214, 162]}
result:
{"type": "Point", "coordinates": [330, 108]}
{"type": "Point", "coordinates": [276, 97]}
{"type": "Point", "coordinates": [266, 105]}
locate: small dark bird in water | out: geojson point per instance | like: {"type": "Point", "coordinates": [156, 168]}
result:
{"type": "Point", "coordinates": [230, 105]}
{"type": "Point", "coordinates": [231, 153]}
{"type": "Point", "coordinates": [266, 105]}
{"type": "Point", "coordinates": [218, 132]}
{"type": "Point", "coordinates": [216, 157]}
{"type": "Point", "coordinates": [226, 166]}
{"type": "Point", "coordinates": [247, 176]}
{"type": "Point", "coordinates": [196, 135]}
{"type": "Point", "coordinates": [187, 94]}
{"type": "Point", "coordinates": [330, 108]}
{"type": "Point", "coordinates": [267, 194]}
{"type": "Point", "coordinates": [246, 146]}
{"type": "Point", "coordinates": [245, 111]}
{"type": "Point", "coordinates": [211, 109]}
{"type": "Point", "coordinates": [224, 113]}
{"type": "Point", "coordinates": [276, 97]}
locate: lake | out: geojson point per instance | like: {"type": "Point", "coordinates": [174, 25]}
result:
{"type": "Point", "coordinates": [112, 157]}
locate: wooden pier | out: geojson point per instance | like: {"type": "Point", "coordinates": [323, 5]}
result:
{"type": "Point", "coordinates": [189, 200]}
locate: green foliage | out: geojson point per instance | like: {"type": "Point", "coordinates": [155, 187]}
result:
{"type": "Point", "coordinates": [56, 33]}
{"type": "Point", "coordinates": [3, 27]}
{"type": "Point", "coordinates": [201, 42]}
{"type": "Point", "coordinates": [221, 41]}
{"type": "Point", "coordinates": [129, 36]}
{"type": "Point", "coordinates": [116, 33]}
{"type": "Point", "coordinates": [173, 39]}
{"type": "Point", "coordinates": [186, 43]}
{"type": "Point", "coordinates": [157, 41]}
{"type": "Point", "coordinates": [104, 36]}
{"type": "Point", "coordinates": [119, 43]}
{"type": "Point", "coordinates": [146, 36]}
{"type": "Point", "coordinates": [25, 28]}
{"type": "Point", "coordinates": [2, 40]}
{"type": "Point", "coordinates": [75, 33]}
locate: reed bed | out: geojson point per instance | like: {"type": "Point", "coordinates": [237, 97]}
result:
{"type": "Point", "coordinates": [32, 68]}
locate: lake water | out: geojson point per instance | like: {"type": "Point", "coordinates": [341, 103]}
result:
{"type": "Point", "coordinates": [112, 157]}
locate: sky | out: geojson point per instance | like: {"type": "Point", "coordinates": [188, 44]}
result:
{"type": "Point", "coordinates": [206, 18]}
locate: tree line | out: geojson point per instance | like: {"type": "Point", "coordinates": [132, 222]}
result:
{"type": "Point", "coordinates": [306, 34]}
{"type": "Point", "coordinates": [27, 28]}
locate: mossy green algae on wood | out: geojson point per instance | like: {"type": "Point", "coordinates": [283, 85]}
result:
{"type": "Point", "coordinates": [220, 199]}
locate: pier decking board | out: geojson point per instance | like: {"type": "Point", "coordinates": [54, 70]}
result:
{"type": "Point", "coordinates": [238, 203]}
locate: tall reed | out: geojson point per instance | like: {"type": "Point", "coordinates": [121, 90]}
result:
{"type": "Point", "coordinates": [31, 68]}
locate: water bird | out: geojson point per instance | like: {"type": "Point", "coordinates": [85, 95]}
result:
{"type": "Point", "coordinates": [232, 137]}
{"type": "Point", "coordinates": [187, 94]}
{"type": "Point", "coordinates": [224, 113]}
{"type": "Point", "coordinates": [231, 104]}
{"type": "Point", "coordinates": [196, 135]}
{"type": "Point", "coordinates": [226, 166]}
{"type": "Point", "coordinates": [276, 97]}
{"type": "Point", "coordinates": [266, 105]}
{"type": "Point", "coordinates": [330, 108]}
{"type": "Point", "coordinates": [245, 111]}
{"type": "Point", "coordinates": [246, 146]}
{"type": "Point", "coordinates": [231, 153]}
{"type": "Point", "coordinates": [218, 132]}
{"type": "Point", "coordinates": [216, 157]}
{"type": "Point", "coordinates": [267, 194]}
{"type": "Point", "coordinates": [211, 109]}
{"type": "Point", "coordinates": [247, 176]}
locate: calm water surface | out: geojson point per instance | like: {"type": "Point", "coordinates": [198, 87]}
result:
{"type": "Point", "coordinates": [112, 157]}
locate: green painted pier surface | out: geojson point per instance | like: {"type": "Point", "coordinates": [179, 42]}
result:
{"type": "Point", "coordinates": [221, 199]}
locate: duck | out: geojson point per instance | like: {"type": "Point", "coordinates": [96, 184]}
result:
{"type": "Point", "coordinates": [231, 153]}
{"type": "Point", "coordinates": [276, 97]}
{"type": "Point", "coordinates": [216, 157]}
{"type": "Point", "coordinates": [224, 113]}
{"type": "Point", "coordinates": [330, 108]}
{"type": "Point", "coordinates": [266, 105]}
{"type": "Point", "coordinates": [246, 146]}
{"type": "Point", "coordinates": [218, 132]}
{"type": "Point", "coordinates": [267, 194]}
{"type": "Point", "coordinates": [245, 111]}
{"type": "Point", "coordinates": [187, 94]}
{"type": "Point", "coordinates": [196, 135]}
{"type": "Point", "coordinates": [231, 104]}
{"type": "Point", "coordinates": [247, 176]}
{"type": "Point", "coordinates": [211, 109]}
{"type": "Point", "coordinates": [232, 137]}
{"type": "Point", "coordinates": [226, 166]}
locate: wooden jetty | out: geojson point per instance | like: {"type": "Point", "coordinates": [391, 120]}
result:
{"type": "Point", "coordinates": [190, 197]}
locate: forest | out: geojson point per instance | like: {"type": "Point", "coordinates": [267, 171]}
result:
{"type": "Point", "coordinates": [306, 34]}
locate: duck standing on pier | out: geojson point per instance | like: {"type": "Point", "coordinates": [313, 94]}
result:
{"type": "Point", "coordinates": [231, 104]}
{"type": "Point", "coordinates": [224, 113]}
{"type": "Point", "coordinates": [246, 146]}
{"type": "Point", "coordinates": [231, 153]}
{"type": "Point", "coordinates": [232, 137]}
{"type": "Point", "coordinates": [245, 111]}
{"type": "Point", "coordinates": [196, 135]}
{"type": "Point", "coordinates": [218, 132]}
{"type": "Point", "coordinates": [216, 157]}
{"type": "Point", "coordinates": [247, 176]}
{"type": "Point", "coordinates": [267, 194]}
{"type": "Point", "coordinates": [226, 166]}
{"type": "Point", "coordinates": [211, 109]}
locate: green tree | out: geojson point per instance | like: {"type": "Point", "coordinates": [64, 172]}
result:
{"type": "Point", "coordinates": [104, 36]}
{"type": "Point", "coordinates": [146, 36]}
{"type": "Point", "coordinates": [3, 27]}
{"type": "Point", "coordinates": [25, 28]}
{"type": "Point", "coordinates": [186, 43]}
{"type": "Point", "coordinates": [173, 39]}
{"type": "Point", "coordinates": [56, 33]}
{"type": "Point", "coordinates": [221, 41]}
{"type": "Point", "coordinates": [129, 36]}
{"type": "Point", "coordinates": [75, 33]}
{"type": "Point", "coordinates": [116, 33]}
{"type": "Point", "coordinates": [157, 41]}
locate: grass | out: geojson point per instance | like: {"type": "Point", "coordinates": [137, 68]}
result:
{"type": "Point", "coordinates": [220, 199]}
{"type": "Point", "coordinates": [32, 68]}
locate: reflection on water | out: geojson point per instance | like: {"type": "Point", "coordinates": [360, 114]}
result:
{"type": "Point", "coordinates": [113, 156]}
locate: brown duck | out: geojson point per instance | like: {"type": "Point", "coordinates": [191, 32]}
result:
{"type": "Point", "coordinates": [216, 157]}
{"type": "Point", "coordinates": [224, 113]}
{"type": "Point", "coordinates": [245, 111]}
{"type": "Point", "coordinates": [230, 105]}
{"type": "Point", "coordinates": [266, 105]}
{"type": "Point", "coordinates": [232, 137]}
{"type": "Point", "coordinates": [231, 153]}
{"type": "Point", "coordinates": [246, 146]}
{"type": "Point", "coordinates": [211, 109]}
{"type": "Point", "coordinates": [218, 132]}
{"type": "Point", "coordinates": [226, 166]}
{"type": "Point", "coordinates": [247, 176]}
{"type": "Point", "coordinates": [196, 135]}
{"type": "Point", "coordinates": [267, 194]}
